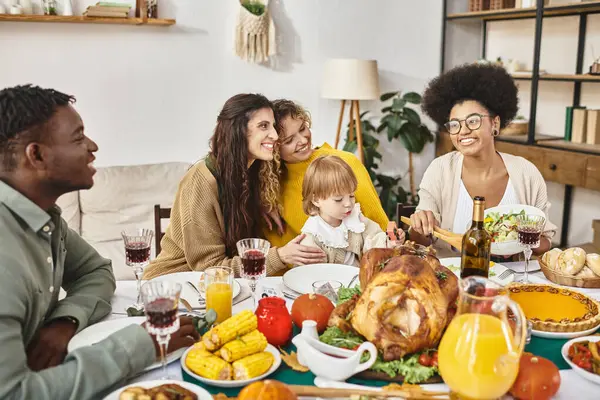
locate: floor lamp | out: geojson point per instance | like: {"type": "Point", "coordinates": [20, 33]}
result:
{"type": "Point", "coordinates": [350, 80]}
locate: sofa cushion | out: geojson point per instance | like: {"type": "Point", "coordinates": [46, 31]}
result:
{"type": "Point", "coordinates": [69, 204]}
{"type": "Point", "coordinates": [123, 197]}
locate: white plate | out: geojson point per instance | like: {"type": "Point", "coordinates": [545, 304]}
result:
{"type": "Point", "coordinates": [202, 393]}
{"type": "Point", "coordinates": [582, 372]}
{"type": "Point", "coordinates": [563, 335]}
{"type": "Point", "coordinates": [511, 247]}
{"type": "Point", "coordinates": [495, 270]}
{"type": "Point", "coordinates": [232, 384]}
{"type": "Point", "coordinates": [100, 331]}
{"type": "Point", "coordinates": [186, 291]}
{"type": "Point", "coordinates": [300, 279]}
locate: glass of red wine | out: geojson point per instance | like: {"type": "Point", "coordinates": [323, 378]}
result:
{"type": "Point", "coordinates": [137, 254]}
{"type": "Point", "coordinates": [253, 253]}
{"type": "Point", "coordinates": [529, 229]}
{"type": "Point", "coordinates": [160, 306]}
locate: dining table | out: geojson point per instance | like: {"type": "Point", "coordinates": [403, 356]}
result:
{"type": "Point", "coordinates": [572, 385]}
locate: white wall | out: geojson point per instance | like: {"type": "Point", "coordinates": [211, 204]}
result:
{"type": "Point", "coordinates": [151, 94]}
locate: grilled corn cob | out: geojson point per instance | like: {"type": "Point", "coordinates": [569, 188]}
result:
{"type": "Point", "coordinates": [252, 366]}
{"type": "Point", "coordinates": [249, 344]}
{"type": "Point", "coordinates": [209, 366]}
{"type": "Point", "coordinates": [237, 325]}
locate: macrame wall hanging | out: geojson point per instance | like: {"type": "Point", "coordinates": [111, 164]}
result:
{"type": "Point", "coordinates": [255, 32]}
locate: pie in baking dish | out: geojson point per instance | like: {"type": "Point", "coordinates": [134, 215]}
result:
{"type": "Point", "coordinates": [555, 309]}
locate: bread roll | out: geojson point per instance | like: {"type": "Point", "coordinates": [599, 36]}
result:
{"type": "Point", "coordinates": [571, 261]}
{"type": "Point", "coordinates": [592, 261]}
{"type": "Point", "coordinates": [585, 273]}
{"type": "Point", "coordinates": [550, 258]}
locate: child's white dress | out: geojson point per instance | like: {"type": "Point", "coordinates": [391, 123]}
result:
{"type": "Point", "coordinates": [346, 243]}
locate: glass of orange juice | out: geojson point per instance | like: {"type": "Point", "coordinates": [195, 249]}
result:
{"type": "Point", "coordinates": [479, 354]}
{"type": "Point", "coordinates": [218, 287]}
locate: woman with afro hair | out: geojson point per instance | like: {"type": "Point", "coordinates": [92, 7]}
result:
{"type": "Point", "coordinates": [473, 102]}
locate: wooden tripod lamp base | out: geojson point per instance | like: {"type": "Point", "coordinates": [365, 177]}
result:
{"type": "Point", "coordinates": [354, 120]}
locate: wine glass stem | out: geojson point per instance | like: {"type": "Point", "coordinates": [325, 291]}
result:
{"type": "Point", "coordinates": [527, 252]}
{"type": "Point", "coordinates": [138, 276]}
{"type": "Point", "coordinates": [252, 284]}
{"type": "Point", "coordinates": [163, 342]}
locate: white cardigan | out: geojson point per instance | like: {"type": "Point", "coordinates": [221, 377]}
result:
{"type": "Point", "coordinates": [440, 187]}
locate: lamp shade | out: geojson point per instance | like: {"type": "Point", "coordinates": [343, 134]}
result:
{"type": "Point", "coordinates": [350, 79]}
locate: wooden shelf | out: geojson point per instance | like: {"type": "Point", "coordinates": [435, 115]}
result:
{"type": "Point", "coordinates": [562, 77]}
{"type": "Point", "coordinates": [523, 138]}
{"type": "Point", "coordinates": [86, 20]}
{"type": "Point", "coordinates": [578, 147]}
{"type": "Point", "coordinates": [521, 13]}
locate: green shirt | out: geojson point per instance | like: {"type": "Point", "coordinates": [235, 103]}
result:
{"type": "Point", "coordinates": [38, 255]}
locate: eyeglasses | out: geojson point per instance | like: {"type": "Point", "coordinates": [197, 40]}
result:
{"type": "Point", "coordinates": [472, 122]}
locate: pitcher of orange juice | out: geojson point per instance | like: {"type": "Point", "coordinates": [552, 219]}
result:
{"type": "Point", "coordinates": [479, 354]}
{"type": "Point", "coordinates": [218, 285]}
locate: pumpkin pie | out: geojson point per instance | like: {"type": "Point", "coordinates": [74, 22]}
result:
{"type": "Point", "coordinates": [555, 309]}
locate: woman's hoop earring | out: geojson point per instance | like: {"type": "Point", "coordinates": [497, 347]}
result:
{"type": "Point", "coordinates": [496, 132]}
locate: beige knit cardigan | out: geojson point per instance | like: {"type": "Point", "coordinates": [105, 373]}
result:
{"type": "Point", "coordinates": [440, 187]}
{"type": "Point", "coordinates": [195, 237]}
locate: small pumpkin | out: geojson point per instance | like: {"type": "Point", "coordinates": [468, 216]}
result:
{"type": "Point", "coordinates": [538, 379]}
{"type": "Point", "coordinates": [267, 390]}
{"type": "Point", "coordinates": [314, 307]}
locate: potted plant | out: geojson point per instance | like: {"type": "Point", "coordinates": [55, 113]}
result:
{"type": "Point", "coordinates": [400, 122]}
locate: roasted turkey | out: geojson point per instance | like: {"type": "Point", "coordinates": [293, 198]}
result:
{"type": "Point", "coordinates": [408, 298]}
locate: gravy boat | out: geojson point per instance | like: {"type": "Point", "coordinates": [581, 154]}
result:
{"type": "Point", "coordinates": [327, 361]}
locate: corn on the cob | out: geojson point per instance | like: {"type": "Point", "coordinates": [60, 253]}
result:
{"type": "Point", "coordinates": [249, 344]}
{"type": "Point", "coordinates": [237, 325]}
{"type": "Point", "coordinates": [208, 365]}
{"type": "Point", "coordinates": [252, 366]}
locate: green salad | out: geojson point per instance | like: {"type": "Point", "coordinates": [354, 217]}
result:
{"type": "Point", "coordinates": [415, 368]}
{"type": "Point", "coordinates": [502, 227]}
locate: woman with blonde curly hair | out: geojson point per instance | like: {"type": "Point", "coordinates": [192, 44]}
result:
{"type": "Point", "coordinates": [219, 200]}
{"type": "Point", "coordinates": [297, 152]}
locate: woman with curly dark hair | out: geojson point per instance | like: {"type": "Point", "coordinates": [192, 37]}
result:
{"type": "Point", "coordinates": [219, 200]}
{"type": "Point", "coordinates": [473, 102]}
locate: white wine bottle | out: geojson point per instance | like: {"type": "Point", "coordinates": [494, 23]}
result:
{"type": "Point", "coordinates": [476, 244]}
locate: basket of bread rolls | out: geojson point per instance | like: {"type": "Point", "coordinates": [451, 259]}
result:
{"type": "Point", "coordinates": [571, 267]}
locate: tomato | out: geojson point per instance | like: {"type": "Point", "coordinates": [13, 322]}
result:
{"type": "Point", "coordinates": [425, 360]}
{"type": "Point", "coordinates": [314, 307]}
{"type": "Point", "coordinates": [538, 379]}
{"type": "Point", "coordinates": [582, 361]}
{"type": "Point", "coordinates": [356, 347]}
{"type": "Point", "coordinates": [434, 359]}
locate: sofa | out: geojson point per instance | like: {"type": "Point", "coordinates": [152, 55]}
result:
{"type": "Point", "coordinates": [123, 197]}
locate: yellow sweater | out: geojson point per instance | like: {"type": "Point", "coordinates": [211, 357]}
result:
{"type": "Point", "coordinates": [195, 237]}
{"type": "Point", "coordinates": [291, 187]}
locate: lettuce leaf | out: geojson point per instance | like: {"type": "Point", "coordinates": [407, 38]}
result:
{"type": "Point", "coordinates": [345, 294]}
{"type": "Point", "coordinates": [334, 336]}
{"type": "Point", "coordinates": [408, 367]}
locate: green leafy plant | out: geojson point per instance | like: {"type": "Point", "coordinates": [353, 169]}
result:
{"type": "Point", "coordinates": [390, 191]}
{"type": "Point", "coordinates": [399, 122]}
{"type": "Point", "coordinates": [255, 7]}
{"type": "Point", "coordinates": [403, 123]}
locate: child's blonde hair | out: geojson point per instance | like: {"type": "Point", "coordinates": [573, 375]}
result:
{"type": "Point", "coordinates": [325, 177]}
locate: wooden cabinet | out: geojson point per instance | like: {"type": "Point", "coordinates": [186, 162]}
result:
{"type": "Point", "coordinates": [560, 166]}
{"type": "Point", "coordinates": [592, 176]}
{"type": "Point", "coordinates": [563, 167]}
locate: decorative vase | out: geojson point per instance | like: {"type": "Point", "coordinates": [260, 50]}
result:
{"type": "Point", "coordinates": [67, 8]}
{"type": "Point", "coordinates": [26, 6]}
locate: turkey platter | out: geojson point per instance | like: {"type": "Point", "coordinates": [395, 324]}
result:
{"type": "Point", "coordinates": [406, 300]}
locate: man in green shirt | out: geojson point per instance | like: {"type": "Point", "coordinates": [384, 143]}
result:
{"type": "Point", "coordinates": [44, 153]}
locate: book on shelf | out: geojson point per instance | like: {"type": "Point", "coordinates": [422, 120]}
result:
{"type": "Point", "coordinates": [593, 127]}
{"type": "Point", "coordinates": [578, 129]}
{"type": "Point", "coordinates": [108, 9]}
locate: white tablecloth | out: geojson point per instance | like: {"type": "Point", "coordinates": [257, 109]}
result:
{"type": "Point", "coordinates": [572, 386]}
